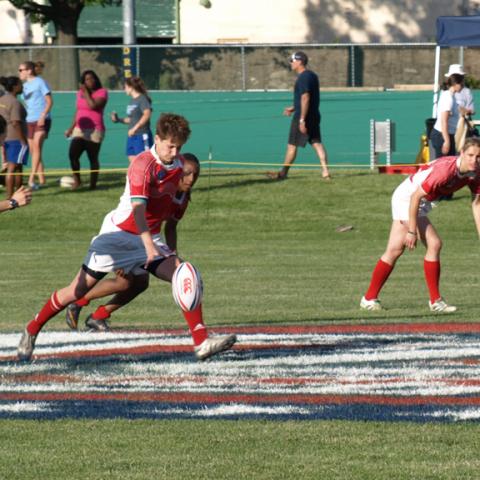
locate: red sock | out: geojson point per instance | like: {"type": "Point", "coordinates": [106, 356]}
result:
{"type": "Point", "coordinates": [432, 277]}
{"type": "Point", "coordinates": [380, 274]}
{"type": "Point", "coordinates": [82, 302]}
{"type": "Point", "coordinates": [194, 320]}
{"type": "Point", "coordinates": [49, 310]}
{"type": "Point", "coordinates": [101, 313]}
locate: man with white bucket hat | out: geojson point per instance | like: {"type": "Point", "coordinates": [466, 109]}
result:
{"type": "Point", "coordinates": [464, 97]}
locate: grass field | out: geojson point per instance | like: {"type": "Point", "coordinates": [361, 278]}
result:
{"type": "Point", "coordinates": [269, 255]}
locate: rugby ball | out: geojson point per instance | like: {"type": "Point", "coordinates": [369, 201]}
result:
{"type": "Point", "coordinates": [187, 287]}
{"type": "Point", "coordinates": [67, 182]}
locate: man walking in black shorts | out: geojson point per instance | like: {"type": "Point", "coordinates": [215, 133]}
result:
{"type": "Point", "coordinates": [305, 126]}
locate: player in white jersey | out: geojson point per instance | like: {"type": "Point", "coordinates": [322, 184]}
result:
{"type": "Point", "coordinates": [128, 241]}
{"type": "Point", "coordinates": [411, 202]}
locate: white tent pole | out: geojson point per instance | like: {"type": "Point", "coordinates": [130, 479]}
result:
{"type": "Point", "coordinates": [436, 86]}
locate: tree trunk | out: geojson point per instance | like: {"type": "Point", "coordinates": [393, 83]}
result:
{"type": "Point", "coordinates": [68, 58]}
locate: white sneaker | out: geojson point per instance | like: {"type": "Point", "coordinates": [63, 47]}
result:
{"type": "Point", "coordinates": [441, 306]}
{"type": "Point", "coordinates": [26, 346]}
{"type": "Point", "coordinates": [371, 305]}
{"type": "Point", "coordinates": [212, 346]}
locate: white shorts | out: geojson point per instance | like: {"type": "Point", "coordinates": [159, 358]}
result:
{"type": "Point", "coordinates": [113, 249]}
{"type": "Point", "coordinates": [401, 201]}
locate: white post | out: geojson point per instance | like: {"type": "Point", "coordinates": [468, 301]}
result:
{"type": "Point", "coordinates": [436, 85]}
{"type": "Point", "coordinates": [373, 155]}
{"type": "Point", "coordinates": [388, 135]}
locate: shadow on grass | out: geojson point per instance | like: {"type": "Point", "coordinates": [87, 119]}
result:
{"type": "Point", "coordinates": [106, 182]}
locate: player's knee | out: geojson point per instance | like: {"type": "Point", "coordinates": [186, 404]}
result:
{"type": "Point", "coordinates": [392, 254]}
{"type": "Point", "coordinates": [140, 283]}
{"type": "Point", "coordinates": [435, 245]}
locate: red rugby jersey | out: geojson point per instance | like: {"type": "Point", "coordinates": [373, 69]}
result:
{"type": "Point", "coordinates": [153, 182]}
{"type": "Point", "coordinates": [442, 177]}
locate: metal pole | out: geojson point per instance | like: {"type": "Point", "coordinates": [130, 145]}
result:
{"type": "Point", "coordinates": [177, 21]}
{"type": "Point", "coordinates": [436, 86]}
{"type": "Point", "coordinates": [352, 65]}
{"type": "Point", "coordinates": [244, 74]}
{"type": "Point", "coordinates": [129, 39]}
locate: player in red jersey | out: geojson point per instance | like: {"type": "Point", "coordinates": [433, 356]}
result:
{"type": "Point", "coordinates": [411, 203]}
{"type": "Point", "coordinates": [125, 287]}
{"type": "Point", "coordinates": [129, 240]}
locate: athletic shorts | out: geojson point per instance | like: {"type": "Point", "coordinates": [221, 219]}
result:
{"type": "Point", "coordinates": [114, 249]}
{"type": "Point", "coordinates": [15, 152]}
{"type": "Point", "coordinates": [139, 143]}
{"type": "Point", "coordinates": [33, 127]}
{"type": "Point", "coordinates": [299, 139]}
{"type": "Point", "coordinates": [401, 201]}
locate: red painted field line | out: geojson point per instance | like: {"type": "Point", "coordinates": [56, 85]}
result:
{"type": "Point", "coordinates": [369, 328]}
{"type": "Point", "coordinates": [451, 327]}
{"type": "Point", "coordinates": [247, 398]}
{"type": "Point", "coordinates": [140, 350]}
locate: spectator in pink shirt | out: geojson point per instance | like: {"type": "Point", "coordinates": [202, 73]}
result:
{"type": "Point", "coordinates": [88, 128]}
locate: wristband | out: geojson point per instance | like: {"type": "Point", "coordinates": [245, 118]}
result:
{"type": "Point", "coordinates": [302, 120]}
{"type": "Point", "coordinates": [13, 204]}
{"type": "Point", "coordinates": [412, 233]}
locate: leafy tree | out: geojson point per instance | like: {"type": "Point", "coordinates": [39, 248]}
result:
{"type": "Point", "coordinates": [64, 14]}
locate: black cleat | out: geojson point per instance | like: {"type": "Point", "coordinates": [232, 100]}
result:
{"type": "Point", "coordinates": [95, 325]}
{"type": "Point", "coordinates": [72, 312]}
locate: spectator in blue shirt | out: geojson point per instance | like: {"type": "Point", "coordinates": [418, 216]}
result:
{"type": "Point", "coordinates": [38, 102]}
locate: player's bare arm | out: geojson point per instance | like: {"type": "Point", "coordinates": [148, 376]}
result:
{"type": "Point", "coordinates": [411, 236]}
{"type": "Point", "coordinates": [171, 233]}
{"type": "Point", "coordinates": [139, 209]}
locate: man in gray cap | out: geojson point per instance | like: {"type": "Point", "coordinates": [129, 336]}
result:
{"type": "Point", "coordinates": [305, 126]}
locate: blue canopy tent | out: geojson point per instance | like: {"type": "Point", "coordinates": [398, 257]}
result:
{"type": "Point", "coordinates": [454, 32]}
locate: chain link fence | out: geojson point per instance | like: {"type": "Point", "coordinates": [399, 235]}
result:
{"type": "Point", "coordinates": [244, 67]}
